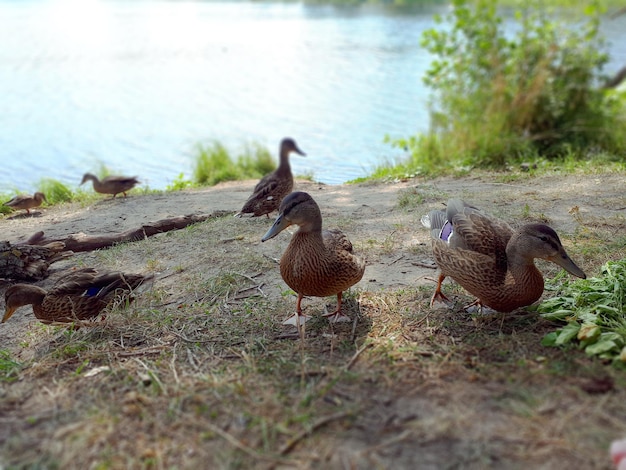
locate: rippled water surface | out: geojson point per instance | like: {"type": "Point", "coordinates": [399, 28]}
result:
{"type": "Point", "coordinates": [134, 85]}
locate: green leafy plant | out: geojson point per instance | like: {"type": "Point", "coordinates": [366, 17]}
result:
{"type": "Point", "coordinates": [500, 97]}
{"type": "Point", "coordinates": [179, 183]}
{"type": "Point", "coordinates": [9, 368]}
{"type": "Point", "coordinates": [595, 312]}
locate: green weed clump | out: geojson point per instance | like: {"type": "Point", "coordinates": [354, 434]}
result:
{"type": "Point", "coordinates": [55, 191]}
{"type": "Point", "coordinates": [213, 164]}
{"type": "Point", "coordinates": [9, 369]}
{"type": "Point", "coordinates": [595, 312]}
{"type": "Point", "coordinates": [501, 98]}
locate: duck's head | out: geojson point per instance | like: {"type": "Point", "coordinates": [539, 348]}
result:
{"type": "Point", "coordinates": [297, 208]}
{"type": "Point", "coordinates": [288, 145]}
{"type": "Point", "coordinates": [19, 295]}
{"type": "Point", "coordinates": [87, 177]}
{"type": "Point", "coordinates": [39, 197]}
{"type": "Point", "coordinates": [540, 241]}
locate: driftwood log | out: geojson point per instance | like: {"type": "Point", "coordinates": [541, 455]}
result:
{"type": "Point", "coordinates": [82, 242]}
{"type": "Point", "coordinates": [30, 261]}
{"type": "Point", "coordinates": [27, 262]}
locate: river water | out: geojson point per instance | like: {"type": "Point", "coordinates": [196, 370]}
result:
{"type": "Point", "coordinates": [135, 85]}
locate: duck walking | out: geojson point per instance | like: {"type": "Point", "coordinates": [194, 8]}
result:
{"type": "Point", "coordinates": [491, 260]}
{"type": "Point", "coordinates": [270, 191]}
{"type": "Point", "coordinates": [79, 296]}
{"type": "Point", "coordinates": [111, 184]}
{"type": "Point", "coordinates": [316, 262]}
{"type": "Point", "coordinates": [26, 201]}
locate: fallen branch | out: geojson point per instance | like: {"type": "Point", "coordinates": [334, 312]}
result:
{"type": "Point", "coordinates": [82, 242]}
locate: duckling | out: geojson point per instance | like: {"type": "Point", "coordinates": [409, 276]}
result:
{"type": "Point", "coordinates": [111, 184]}
{"type": "Point", "coordinates": [270, 191]}
{"type": "Point", "coordinates": [79, 296]}
{"type": "Point", "coordinates": [26, 201]}
{"type": "Point", "coordinates": [489, 259]}
{"type": "Point", "coordinates": [316, 262]}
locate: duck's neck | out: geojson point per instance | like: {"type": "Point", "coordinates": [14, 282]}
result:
{"type": "Point", "coordinates": [522, 272]}
{"type": "Point", "coordinates": [283, 166]}
{"type": "Point", "coordinates": [309, 241]}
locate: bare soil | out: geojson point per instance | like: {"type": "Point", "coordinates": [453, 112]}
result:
{"type": "Point", "coordinates": [200, 372]}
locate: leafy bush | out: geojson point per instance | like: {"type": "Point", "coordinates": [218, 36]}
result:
{"type": "Point", "coordinates": [213, 164]}
{"type": "Point", "coordinates": [502, 97]}
{"type": "Point", "coordinates": [595, 312]}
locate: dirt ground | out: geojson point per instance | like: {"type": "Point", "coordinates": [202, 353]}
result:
{"type": "Point", "coordinates": [448, 413]}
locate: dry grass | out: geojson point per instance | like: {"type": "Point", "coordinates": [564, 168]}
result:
{"type": "Point", "coordinates": [199, 372]}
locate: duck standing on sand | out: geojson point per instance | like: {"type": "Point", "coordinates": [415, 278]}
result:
{"type": "Point", "coordinates": [489, 259]}
{"type": "Point", "coordinates": [79, 296]}
{"type": "Point", "coordinates": [26, 201]}
{"type": "Point", "coordinates": [316, 263]}
{"type": "Point", "coordinates": [111, 184]}
{"type": "Point", "coordinates": [270, 191]}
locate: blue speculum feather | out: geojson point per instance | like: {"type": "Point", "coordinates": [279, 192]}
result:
{"type": "Point", "coordinates": [91, 292]}
{"type": "Point", "coordinates": [446, 231]}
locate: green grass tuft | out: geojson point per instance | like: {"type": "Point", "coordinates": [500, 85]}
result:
{"type": "Point", "coordinates": [214, 164]}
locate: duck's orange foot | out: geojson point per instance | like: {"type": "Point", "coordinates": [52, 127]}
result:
{"type": "Point", "coordinates": [439, 297]}
{"type": "Point", "coordinates": [336, 316]}
{"type": "Point", "coordinates": [295, 319]}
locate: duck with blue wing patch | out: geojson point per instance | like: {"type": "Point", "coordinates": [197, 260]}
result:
{"type": "Point", "coordinates": [79, 296]}
{"type": "Point", "coordinates": [491, 260]}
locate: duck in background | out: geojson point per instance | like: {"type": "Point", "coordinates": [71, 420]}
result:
{"type": "Point", "coordinates": [270, 191]}
{"type": "Point", "coordinates": [26, 201]}
{"type": "Point", "coordinates": [111, 184]}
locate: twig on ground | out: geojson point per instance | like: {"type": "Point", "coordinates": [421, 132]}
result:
{"type": "Point", "coordinates": [288, 447]}
{"type": "Point", "coordinates": [244, 448]}
{"type": "Point", "coordinates": [356, 355]}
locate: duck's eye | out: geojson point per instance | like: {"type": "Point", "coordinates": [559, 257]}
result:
{"type": "Point", "coordinates": [543, 238]}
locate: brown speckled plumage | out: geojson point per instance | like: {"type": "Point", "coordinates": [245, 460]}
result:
{"type": "Point", "coordinates": [491, 260]}
{"type": "Point", "coordinates": [111, 184]}
{"type": "Point", "coordinates": [270, 191]}
{"type": "Point", "coordinates": [26, 201]}
{"type": "Point", "coordinates": [79, 296]}
{"type": "Point", "coordinates": [316, 262]}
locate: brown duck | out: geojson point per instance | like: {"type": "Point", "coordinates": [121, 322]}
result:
{"type": "Point", "coordinates": [270, 191]}
{"type": "Point", "coordinates": [26, 201]}
{"type": "Point", "coordinates": [489, 259]}
{"type": "Point", "coordinates": [111, 184]}
{"type": "Point", "coordinates": [316, 262]}
{"type": "Point", "coordinates": [76, 297]}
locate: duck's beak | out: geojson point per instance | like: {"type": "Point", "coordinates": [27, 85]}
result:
{"type": "Point", "coordinates": [7, 314]}
{"type": "Point", "coordinates": [298, 151]}
{"type": "Point", "coordinates": [563, 260]}
{"type": "Point", "coordinates": [280, 224]}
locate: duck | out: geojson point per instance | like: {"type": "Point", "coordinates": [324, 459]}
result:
{"type": "Point", "coordinates": [490, 259]}
{"type": "Point", "coordinates": [76, 297]}
{"type": "Point", "coordinates": [111, 184]}
{"type": "Point", "coordinates": [272, 188]}
{"type": "Point", "coordinates": [317, 262]}
{"type": "Point", "coordinates": [26, 201]}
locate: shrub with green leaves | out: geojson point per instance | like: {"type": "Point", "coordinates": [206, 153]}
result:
{"type": "Point", "coordinates": [531, 89]}
{"type": "Point", "coordinates": [595, 312]}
